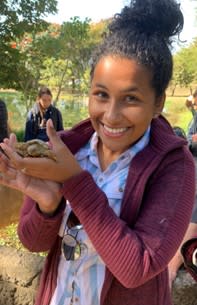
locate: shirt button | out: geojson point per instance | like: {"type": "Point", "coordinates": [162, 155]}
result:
{"type": "Point", "coordinates": [121, 190]}
{"type": "Point", "coordinates": [100, 179]}
{"type": "Point", "coordinates": [76, 300]}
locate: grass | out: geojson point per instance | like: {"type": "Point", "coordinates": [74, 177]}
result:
{"type": "Point", "coordinates": [176, 112]}
{"type": "Point", "coordinates": [9, 237]}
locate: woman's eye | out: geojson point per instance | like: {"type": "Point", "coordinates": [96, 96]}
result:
{"type": "Point", "coordinates": [101, 94]}
{"type": "Point", "coordinates": [131, 99]}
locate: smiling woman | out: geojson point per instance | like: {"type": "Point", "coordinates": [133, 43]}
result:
{"type": "Point", "coordinates": [112, 210]}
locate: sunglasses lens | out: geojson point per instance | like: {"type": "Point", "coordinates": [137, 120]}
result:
{"type": "Point", "coordinates": [68, 247]}
{"type": "Point", "coordinates": [68, 252]}
{"type": "Point", "coordinates": [69, 240]}
{"type": "Point", "coordinates": [71, 248]}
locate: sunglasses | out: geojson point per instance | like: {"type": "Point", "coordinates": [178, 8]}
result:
{"type": "Point", "coordinates": [72, 249]}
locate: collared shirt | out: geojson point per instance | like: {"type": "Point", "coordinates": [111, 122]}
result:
{"type": "Point", "coordinates": [80, 282]}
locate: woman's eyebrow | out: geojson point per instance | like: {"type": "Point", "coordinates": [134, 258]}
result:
{"type": "Point", "coordinates": [129, 89]}
{"type": "Point", "coordinates": [100, 86]}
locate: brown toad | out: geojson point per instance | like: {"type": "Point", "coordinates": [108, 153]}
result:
{"type": "Point", "coordinates": [34, 148]}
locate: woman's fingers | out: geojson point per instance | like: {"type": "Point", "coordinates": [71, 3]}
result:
{"type": "Point", "coordinates": [60, 170]}
{"type": "Point", "coordinates": [11, 141]}
{"type": "Point", "coordinates": [14, 158]}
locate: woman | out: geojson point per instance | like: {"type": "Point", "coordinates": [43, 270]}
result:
{"type": "Point", "coordinates": [37, 117]}
{"type": "Point", "coordinates": [112, 210]}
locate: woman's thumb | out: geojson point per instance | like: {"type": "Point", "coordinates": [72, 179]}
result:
{"type": "Point", "coordinates": [51, 133]}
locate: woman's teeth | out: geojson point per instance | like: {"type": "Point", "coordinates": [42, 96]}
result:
{"type": "Point", "coordinates": [115, 130]}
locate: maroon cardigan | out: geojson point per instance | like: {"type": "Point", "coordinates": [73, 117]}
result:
{"type": "Point", "coordinates": [136, 252]}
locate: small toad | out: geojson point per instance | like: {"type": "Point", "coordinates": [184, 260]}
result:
{"type": "Point", "coordinates": [34, 148]}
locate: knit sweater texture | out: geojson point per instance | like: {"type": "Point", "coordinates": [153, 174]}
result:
{"type": "Point", "coordinates": [136, 247]}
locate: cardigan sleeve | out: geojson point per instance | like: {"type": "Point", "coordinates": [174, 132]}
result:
{"type": "Point", "coordinates": [36, 230]}
{"type": "Point", "coordinates": [135, 255]}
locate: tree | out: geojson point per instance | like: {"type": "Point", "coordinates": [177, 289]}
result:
{"type": "Point", "coordinates": [185, 62]}
{"type": "Point", "coordinates": [18, 17]}
{"type": "Point", "coordinates": [57, 56]}
{"type": "Point", "coordinates": [66, 68]}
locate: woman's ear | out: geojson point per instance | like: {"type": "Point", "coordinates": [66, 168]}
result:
{"type": "Point", "coordinates": [159, 105]}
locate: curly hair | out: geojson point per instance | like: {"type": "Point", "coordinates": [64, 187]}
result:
{"type": "Point", "coordinates": [143, 31]}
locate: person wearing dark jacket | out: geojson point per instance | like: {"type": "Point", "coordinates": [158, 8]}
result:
{"type": "Point", "coordinates": [191, 103]}
{"type": "Point", "coordinates": [37, 117]}
{"type": "Point", "coordinates": [4, 129]}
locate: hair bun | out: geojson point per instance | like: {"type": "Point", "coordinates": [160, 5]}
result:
{"type": "Point", "coordinates": [161, 17]}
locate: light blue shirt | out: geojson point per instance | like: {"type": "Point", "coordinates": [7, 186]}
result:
{"type": "Point", "coordinates": [80, 282]}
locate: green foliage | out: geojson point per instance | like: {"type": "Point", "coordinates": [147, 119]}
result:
{"type": "Point", "coordinates": [57, 56]}
{"type": "Point", "coordinates": [9, 237]}
{"type": "Point", "coordinates": [185, 63]}
{"type": "Point", "coordinates": [19, 134]}
{"type": "Point", "coordinates": [34, 53]}
{"type": "Point", "coordinates": [16, 19]}
{"type": "Point", "coordinates": [66, 68]}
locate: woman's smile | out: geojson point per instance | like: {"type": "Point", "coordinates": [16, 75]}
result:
{"type": "Point", "coordinates": [113, 132]}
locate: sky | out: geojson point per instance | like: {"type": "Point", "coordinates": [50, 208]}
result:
{"type": "Point", "coordinates": [101, 9]}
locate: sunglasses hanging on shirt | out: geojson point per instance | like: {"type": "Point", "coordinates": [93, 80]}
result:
{"type": "Point", "coordinates": [72, 248]}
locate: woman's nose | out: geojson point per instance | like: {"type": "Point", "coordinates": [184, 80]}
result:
{"type": "Point", "coordinates": [113, 111]}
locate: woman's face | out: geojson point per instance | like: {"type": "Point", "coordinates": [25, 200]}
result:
{"type": "Point", "coordinates": [45, 101]}
{"type": "Point", "coordinates": [122, 103]}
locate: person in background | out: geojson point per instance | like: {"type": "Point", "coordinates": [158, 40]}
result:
{"type": "Point", "coordinates": [37, 117]}
{"type": "Point", "coordinates": [4, 128]}
{"type": "Point", "coordinates": [188, 249]}
{"type": "Point", "coordinates": [112, 210]}
{"type": "Point", "coordinates": [179, 132]}
{"type": "Point", "coordinates": [191, 103]}
{"type": "Point", "coordinates": [178, 260]}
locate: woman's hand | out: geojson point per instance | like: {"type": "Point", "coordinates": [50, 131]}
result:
{"type": "Point", "coordinates": [60, 170]}
{"type": "Point", "coordinates": [46, 193]}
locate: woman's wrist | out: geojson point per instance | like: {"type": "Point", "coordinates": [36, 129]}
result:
{"type": "Point", "coordinates": [51, 212]}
